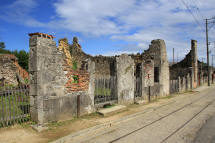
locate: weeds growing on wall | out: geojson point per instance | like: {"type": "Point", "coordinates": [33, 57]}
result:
{"type": "Point", "coordinates": [75, 79]}
{"type": "Point", "coordinates": [74, 65]}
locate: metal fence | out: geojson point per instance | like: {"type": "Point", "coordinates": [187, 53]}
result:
{"type": "Point", "coordinates": [14, 105]}
{"type": "Point", "coordinates": [105, 90]}
{"type": "Point", "coordinates": [138, 88]}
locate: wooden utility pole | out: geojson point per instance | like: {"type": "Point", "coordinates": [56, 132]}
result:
{"type": "Point", "coordinates": [212, 69]}
{"type": "Point", "coordinates": [206, 22]}
{"type": "Point", "coordinates": [212, 61]}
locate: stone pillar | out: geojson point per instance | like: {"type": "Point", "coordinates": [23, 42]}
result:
{"type": "Point", "coordinates": [183, 84]}
{"type": "Point", "coordinates": [125, 79]}
{"type": "Point", "coordinates": [91, 70]}
{"type": "Point", "coordinates": [179, 84]}
{"type": "Point", "coordinates": [192, 79]}
{"type": "Point", "coordinates": [201, 79]}
{"type": "Point", "coordinates": [46, 74]}
{"type": "Point", "coordinates": [188, 81]}
{"type": "Point", "coordinates": [194, 62]}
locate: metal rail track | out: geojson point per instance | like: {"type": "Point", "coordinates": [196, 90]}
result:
{"type": "Point", "coordinates": [187, 122]}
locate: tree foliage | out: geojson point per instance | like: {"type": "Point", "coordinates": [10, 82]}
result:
{"type": "Point", "coordinates": [2, 45]}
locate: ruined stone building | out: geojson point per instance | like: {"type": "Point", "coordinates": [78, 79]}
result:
{"type": "Point", "coordinates": [11, 73]}
{"type": "Point", "coordinates": [66, 81]}
{"type": "Point", "coordinates": [189, 66]}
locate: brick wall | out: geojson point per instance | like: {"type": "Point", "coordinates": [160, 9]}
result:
{"type": "Point", "coordinates": [82, 83]}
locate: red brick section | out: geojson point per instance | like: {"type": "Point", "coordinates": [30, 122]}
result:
{"type": "Point", "coordinates": [83, 80]}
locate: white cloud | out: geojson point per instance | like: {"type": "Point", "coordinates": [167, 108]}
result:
{"type": "Point", "coordinates": [135, 21]}
{"type": "Point", "coordinates": [93, 17]}
{"type": "Point", "coordinates": [158, 19]}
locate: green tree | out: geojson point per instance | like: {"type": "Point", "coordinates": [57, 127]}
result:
{"type": "Point", "coordinates": [2, 45]}
{"type": "Point", "coordinates": [3, 50]}
{"type": "Point", "coordinates": [22, 58]}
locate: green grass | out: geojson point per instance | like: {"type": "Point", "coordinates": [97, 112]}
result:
{"type": "Point", "coordinates": [7, 86]}
{"type": "Point", "coordinates": [10, 105]}
{"type": "Point", "coordinates": [103, 91]}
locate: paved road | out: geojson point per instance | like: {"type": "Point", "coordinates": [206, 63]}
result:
{"type": "Point", "coordinates": [207, 133]}
{"type": "Point", "coordinates": [177, 121]}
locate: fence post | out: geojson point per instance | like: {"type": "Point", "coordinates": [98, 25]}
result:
{"type": "Point", "coordinates": [78, 106]}
{"type": "Point", "coordinates": [179, 84]}
{"type": "Point", "coordinates": [149, 93]}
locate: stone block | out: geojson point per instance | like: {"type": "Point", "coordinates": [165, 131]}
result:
{"type": "Point", "coordinates": [112, 110]}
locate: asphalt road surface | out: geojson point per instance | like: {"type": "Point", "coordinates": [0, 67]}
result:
{"type": "Point", "coordinates": [181, 120]}
{"type": "Point", "coordinates": [207, 133]}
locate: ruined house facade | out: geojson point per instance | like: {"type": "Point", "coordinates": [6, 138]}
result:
{"type": "Point", "coordinates": [65, 81]}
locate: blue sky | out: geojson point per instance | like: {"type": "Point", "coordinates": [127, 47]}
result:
{"type": "Point", "coordinates": [109, 27]}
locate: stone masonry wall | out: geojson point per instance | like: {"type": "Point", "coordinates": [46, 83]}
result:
{"type": "Point", "coordinates": [158, 50]}
{"type": "Point", "coordinates": [8, 69]}
{"type": "Point", "coordinates": [53, 93]}
{"type": "Point", "coordinates": [59, 75]}
{"type": "Point", "coordinates": [105, 67]}
{"type": "Point", "coordinates": [46, 74]}
{"type": "Point", "coordinates": [77, 75]}
{"type": "Point", "coordinates": [148, 78]}
{"type": "Point", "coordinates": [125, 79]}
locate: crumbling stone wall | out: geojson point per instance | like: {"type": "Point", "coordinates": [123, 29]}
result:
{"type": "Point", "coordinates": [157, 50]}
{"type": "Point", "coordinates": [189, 65]}
{"type": "Point", "coordinates": [52, 89]}
{"type": "Point", "coordinates": [105, 67]}
{"type": "Point", "coordinates": [74, 69]}
{"type": "Point", "coordinates": [10, 70]}
{"type": "Point", "coordinates": [59, 75]}
{"type": "Point", "coordinates": [79, 58]}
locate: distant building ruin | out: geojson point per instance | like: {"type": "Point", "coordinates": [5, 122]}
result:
{"type": "Point", "coordinates": [189, 65]}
